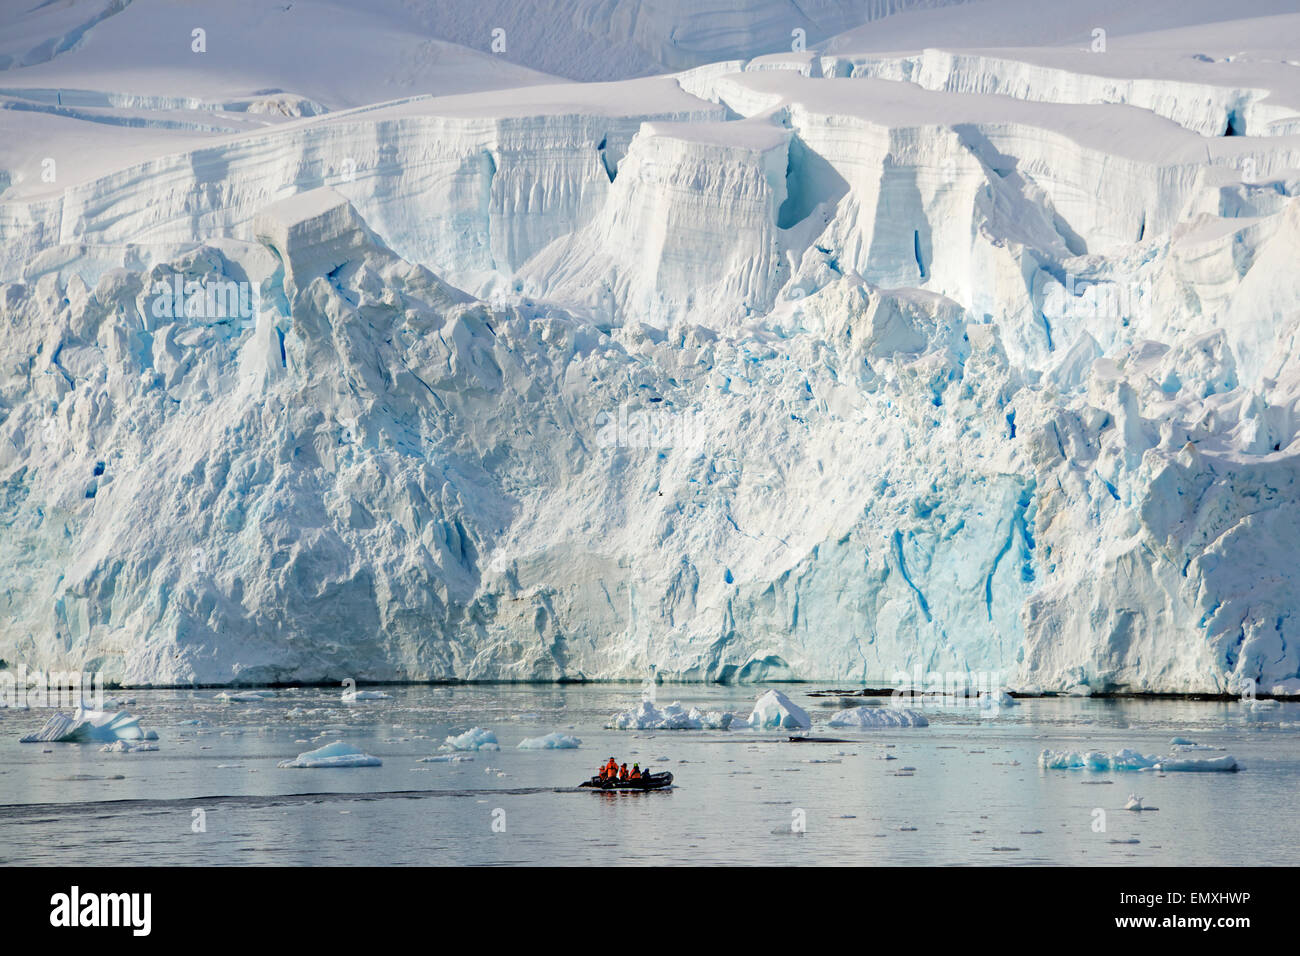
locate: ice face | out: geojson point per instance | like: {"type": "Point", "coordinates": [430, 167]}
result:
{"type": "Point", "coordinates": [824, 366]}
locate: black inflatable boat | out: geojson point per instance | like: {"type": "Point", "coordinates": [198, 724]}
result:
{"type": "Point", "coordinates": [653, 781]}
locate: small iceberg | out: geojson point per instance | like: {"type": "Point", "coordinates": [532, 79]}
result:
{"type": "Point", "coordinates": [673, 717]}
{"type": "Point", "coordinates": [352, 696]}
{"type": "Point", "coordinates": [556, 741]}
{"type": "Point", "coordinates": [476, 738]}
{"type": "Point", "coordinates": [868, 718]}
{"type": "Point", "coordinates": [773, 711]}
{"type": "Point", "coordinates": [337, 754]}
{"type": "Point", "coordinates": [996, 700]}
{"type": "Point", "coordinates": [1135, 804]}
{"type": "Point", "coordinates": [245, 696]}
{"type": "Point", "coordinates": [89, 726]}
{"type": "Point", "coordinates": [447, 758]}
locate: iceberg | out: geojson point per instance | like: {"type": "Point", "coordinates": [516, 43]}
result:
{"type": "Point", "coordinates": [773, 710]}
{"type": "Point", "coordinates": [337, 754]}
{"type": "Point", "coordinates": [870, 718]}
{"type": "Point", "coordinates": [89, 726]}
{"type": "Point", "coordinates": [476, 738]}
{"type": "Point", "coordinates": [553, 741]}
{"type": "Point", "coordinates": [246, 696]}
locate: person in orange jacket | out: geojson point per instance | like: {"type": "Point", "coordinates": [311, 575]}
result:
{"type": "Point", "coordinates": [622, 774]}
{"type": "Point", "coordinates": [636, 772]}
{"type": "Point", "coordinates": [611, 769]}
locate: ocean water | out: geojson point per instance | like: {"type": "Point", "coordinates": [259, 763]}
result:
{"type": "Point", "coordinates": [973, 792]}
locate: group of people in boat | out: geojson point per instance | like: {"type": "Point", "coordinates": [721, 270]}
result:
{"type": "Point", "coordinates": [614, 771]}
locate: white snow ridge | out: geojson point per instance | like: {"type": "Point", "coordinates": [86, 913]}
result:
{"type": "Point", "coordinates": [954, 341]}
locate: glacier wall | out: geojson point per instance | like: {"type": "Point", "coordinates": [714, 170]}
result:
{"type": "Point", "coordinates": [818, 367]}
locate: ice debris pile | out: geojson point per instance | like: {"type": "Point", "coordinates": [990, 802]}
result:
{"type": "Point", "coordinates": [646, 716]}
{"type": "Point", "coordinates": [772, 710]}
{"type": "Point", "coordinates": [336, 754]}
{"type": "Point", "coordinates": [814, 365]}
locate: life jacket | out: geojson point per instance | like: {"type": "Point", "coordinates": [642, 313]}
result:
{"type": "Point", "coordinates": [622, 774]}
{"type": "Point", "coordinates": [635, 774]}
{"type": "Point", "coordinates": [611, 768]}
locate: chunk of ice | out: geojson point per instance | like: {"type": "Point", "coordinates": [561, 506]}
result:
{"type": "Point", "coordinates": [337, 754]}
{"type": "Point", "coordinates": [476, 738]}
{"type": "Point", "coordinates": [555, 741]}
{"type": "Point", "coordinates": [352, 696]}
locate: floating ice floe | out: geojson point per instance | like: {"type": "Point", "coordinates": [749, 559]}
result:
{"type": "Point", "coordinates": [555, 741]}
{"type": "Point", "coordinates": [337, 754]}
{"type": "Point", "coordinates": [352, 696]}
{"type": "Point", "coordinates": [476, 738]}
{"type": "Point", "coordinates": [773, 710]}
{"type": "Point", "coordinates": [1129, 759]}
{"type": "Point", "coordinates": [89, 726]}
{"type": "Point", "coordinates": [672, 717]}
{"type": "Point", "coordinates": [864, 718]}
{"type": "Point", "coordinates": [1182, 742]}
{"type": "Point", "coordinates": [447, 758]}
{"type": "Point", "coordinates": [245, 696]}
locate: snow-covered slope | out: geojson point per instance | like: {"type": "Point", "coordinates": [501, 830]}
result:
{"type": "Point", "coordinates": [896, 353]}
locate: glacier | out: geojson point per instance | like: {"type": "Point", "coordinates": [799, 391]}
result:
{"type": "Point", "coordinates": [822, 364]}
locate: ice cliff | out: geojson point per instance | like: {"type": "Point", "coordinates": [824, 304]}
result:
{"type": "Point", "coordinates": [823, 365]}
